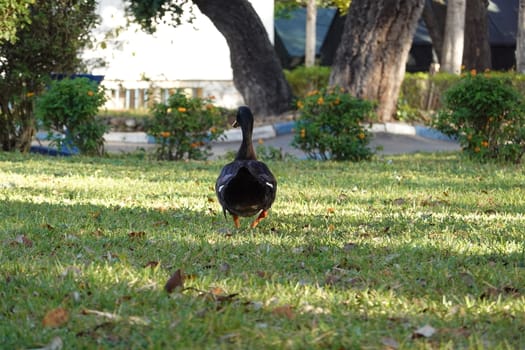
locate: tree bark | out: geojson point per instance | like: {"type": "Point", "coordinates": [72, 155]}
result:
{"type": "Point", "coordinates": [311, 18]}
{"type": "Point", "coordinates": [434, 14]}
{"type": "Point", "coordinates": [476, 54]}
{"type": "Point", "coordinates": [257, 72]}
{"type": "Point", "coordinates": [371, 58]}
{"type": "Point", "coordinates": [453, 41]}
{"type": "Point", "coordinates": [520, 40]}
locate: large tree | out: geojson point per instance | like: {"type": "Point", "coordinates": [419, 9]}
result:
{"type": "Point", "coordinates": [520, 39]}
{"type": "Point", "coordinates": [257, 72]}
{"type": "Point", "coordinates": [476, 49]}
{"type": "Point", "coordinates": [476, 53]}
{"type": "Point", "coordinates": [371, 58]}
{"type": "Point", "coordinates": [50, 43]}
{"type": "Point", "coordinates": [453, 41]}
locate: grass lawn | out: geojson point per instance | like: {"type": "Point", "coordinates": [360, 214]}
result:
{"type": "Point", "coordinates": [419, 251]}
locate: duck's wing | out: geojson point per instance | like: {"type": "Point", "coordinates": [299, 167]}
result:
{"type": "Point", "coordinates": [262, 173]}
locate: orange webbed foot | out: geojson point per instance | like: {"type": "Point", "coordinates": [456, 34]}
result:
{"type": "Point", "coordinates": [261, 216]}
{"type": "Point", "coordinates": [236, 221]}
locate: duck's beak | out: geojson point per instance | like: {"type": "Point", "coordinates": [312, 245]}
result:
{"type": "Point", "coordinates": [235, 124]}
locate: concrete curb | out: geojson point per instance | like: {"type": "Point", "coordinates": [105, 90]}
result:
{"type": "Point", "coordinates": [278, 129]}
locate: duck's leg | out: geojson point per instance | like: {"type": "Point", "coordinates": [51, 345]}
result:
{"type": "Point", "coordinates": [236, 221]}
{"type": "Point", "coordinates": [261, 216]}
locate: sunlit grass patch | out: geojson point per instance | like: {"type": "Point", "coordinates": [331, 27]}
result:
{"type": "Point", "coordinates": [419, 251]}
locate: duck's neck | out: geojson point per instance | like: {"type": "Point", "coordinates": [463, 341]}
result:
{"type": "Point", "coordinates": [246, 151]}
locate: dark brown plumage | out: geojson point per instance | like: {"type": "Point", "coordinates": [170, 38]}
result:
{"type": "Point", "coordinates": [246, 187]}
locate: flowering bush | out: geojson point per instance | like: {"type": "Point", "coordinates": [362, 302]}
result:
{"type": "Point", "coordinates": [487, 116]}
{"type": "Point", "coordinates": [329, 126]}
{"type": "Point", "coordinates": [70, 106]}
{"type": "Point", "coordinates": [185, 127]}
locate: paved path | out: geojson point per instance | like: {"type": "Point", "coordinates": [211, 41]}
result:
{"type": "Point", "coordinates": [391, 144]}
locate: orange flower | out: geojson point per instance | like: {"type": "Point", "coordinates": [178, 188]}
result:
{"type": "Point", "coordinates": [30, 94]}
{"type": "Point", "coordinates": [485, 144]}
{"type": "Point", "coordinates": [477, 149]}
{"type": "Point", "coordinates": [197, 144]}
{"type": "Point", "coordinates": [361, 135]}
{"type": "Point", "coordinates": [303, 133]}
{"type": "Point", "coordinates": [182, 109]}
{"type": "Point", "coordinates": [473, 72]}
{"type": "Point", "coordinates": [320, 100]}
{"type": "Point", "coordinates": [300, 104]}
{"type": "Point", "coordinates": [165, 134]}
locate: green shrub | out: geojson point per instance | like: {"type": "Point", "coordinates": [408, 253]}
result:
{"type": "Point", "coordinates": [70, 106]}
{"type": "Point", "coordinates": [303, 79]}
{"type": "Point", "coordinates": [487, 115]}
{"type": "Point", "coordinates": [185, 127]}
{"type": "Point", "coordinates": [329, 126]}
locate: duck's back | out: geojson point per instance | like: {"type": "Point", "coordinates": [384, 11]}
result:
{"type": "Point", "coordinates": [246, 187]}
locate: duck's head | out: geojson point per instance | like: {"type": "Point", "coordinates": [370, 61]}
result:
{"type": "Point", "coordinates": [244, 118]}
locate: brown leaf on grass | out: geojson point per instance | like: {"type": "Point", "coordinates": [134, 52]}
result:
{"type": "Point", "coordinates": [285, 310]}
{"type": "Point", "coordinates": [152, 264]}
{"type": "Point", "coordinates": [55, 317]}
{"type": "Point", "coordinates": [95, 215]}
{"type": "Point", "coordinates": [176, 281]}
{"type": "Point", "coordinates": [48, 227]}
{"type": "Point", "coordinates": [137, 234]}
{"type": "Point", "coordinates": [22, 240]}
{"type": "Point", "coordinates": [424, 332]}
{"type": "Point", "coordinates": [98, 232]}
{"type": "Point", "coordinates": [349, 246]}
{"type": "Point", "coordinates": [219, 295]}
{"type": "Point", "coordinates": [390, 343]}
{"type": "Point", "coordinates": [55, 344]}
{"type": "Point", "coordinates": [399, 201]}
{"type": "Point", "coordinates": [263, 274]}
{"type": "Point", "coordinates": [330, 210]}
{"type": "Point", "coordinates": [160, 223]}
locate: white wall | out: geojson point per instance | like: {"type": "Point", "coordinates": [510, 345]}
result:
{"type": "Point", "coordinates": [191, 52]}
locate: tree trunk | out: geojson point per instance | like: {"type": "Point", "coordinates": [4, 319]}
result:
{"type": "Point", "coordinates": [520, 40]}
{"type": "Point", "coordinates": [453, 41]}
{"type": "Point", "coordinates": [371, 58]}
{"type": "Point", "coordinates": [476, 54]}
{"type": "Point", "coordinates": [434, 14]}
{"type": "Point", "coordinates": [257, 72]}
{"type": "Point", "coordinates": [311, 17]}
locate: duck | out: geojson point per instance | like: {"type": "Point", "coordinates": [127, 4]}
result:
{"type": "Point", "coordinates": [246, 187]}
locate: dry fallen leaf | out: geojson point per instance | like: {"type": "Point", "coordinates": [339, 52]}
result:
{"type": "Point", "coordinates": [23, 240]}
{"type": "Point", "coordinates": [55, 344]}
{"type": "Point", "coordinates": [424, 332]}
{"type": "Point", "coordinates": [176, 281]}
{"type": "Point", "coordinates": [390, 343]}
{"type": "Point", "coordinates": [285, 310]}
{"type": "Point", "coordinates": [152, 264]}
{"type": "Point", "coordinates": [137, 234]}
{"type": "Point", "coordinates": [55, 317]}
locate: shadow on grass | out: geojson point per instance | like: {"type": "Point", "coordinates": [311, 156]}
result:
{"type": "Point", "coordinates": [365, 278]}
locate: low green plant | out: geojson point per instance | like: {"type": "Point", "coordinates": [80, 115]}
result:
{"type": "Point", "coordinates": [68, 109]}
{"type": "Point", "coordinates": [303, 79]}
{"type": "Point", "coordinates": [486, 115]}
{"type": "Point", "coordinates": [330, 125]}
{"type": "Point", "coordinates": [185, 127]}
